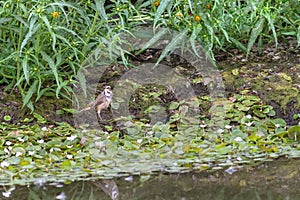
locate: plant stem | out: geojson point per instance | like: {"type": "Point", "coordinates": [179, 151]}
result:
{"type": "Point", "coordinates": [18, 61]}
{"type": "Point", "coordinates": [90, 32]}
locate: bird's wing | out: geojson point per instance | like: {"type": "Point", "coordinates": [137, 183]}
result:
{"type": "Point", "coordinates": [98, 100]}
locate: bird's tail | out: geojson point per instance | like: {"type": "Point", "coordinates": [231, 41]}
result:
{"type": "Point", "coordinates": [85, 109]}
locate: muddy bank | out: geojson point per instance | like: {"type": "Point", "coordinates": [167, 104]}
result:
{"type": "Point", "coordinates": [272, 74]}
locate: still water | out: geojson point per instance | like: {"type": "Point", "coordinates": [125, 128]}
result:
{"type": "Point", "coordinates": [274, 180]}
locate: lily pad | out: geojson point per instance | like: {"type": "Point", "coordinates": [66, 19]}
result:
{"type": "Point", "coordinates": [294, 133]}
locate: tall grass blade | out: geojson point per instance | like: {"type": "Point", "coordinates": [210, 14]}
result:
{"type": "Point", "coordinates": [39, 89]}
{"type": "Point", "coordinates": [41, 93]}
{"type": "Point", "coordinates": [29, 93]}
{"type": "Point", "coordinates": [178, 39]}
{"type": "Point", "coordinates": [25, 68]}
{"type": "Point", "coordinates": [298, 36]}
{"type": "Point", "coordinates": [225, 33]}
{"type": "Point", "coordinates": [5, 20]}
{"type": "Point", "coordinates": [75, 51]}
{"type": "Point", "coordinates": [82, 82]}
{"type": "Point", "coordinates": [47, 23]}
{"type": "Point", "coordinates": [190, 5]}
{"type": "Point", "coordinates": [193, 38]}
{"type": "Point", "coordinates": [72, 5]}
{"type": "Point", "coordinates": [69, 31]}
{"type": "Point", "coordinates": [11, 56]}
{"type": "Point", "coordinates": [238, 44]}
{"type": "Point", "coordinates": [157, 36]}
{"type": "Point", "coordinates": [30, 106]}
{"type": "Point", "coordinates": [62, 86]}
{"type": "Point", "coordinates": [260, 45]}
{"type": "Point", "coordinates": [33, 27]}
{"type": "Point", "coordinates": [161, 8]}
{"type": "Point", "coordinates": [271, 25]}
{"type": "Point", "coordinates": [256, 31]}
{"type": "Point", "coordinates": [210, 31]}
{"type": "Point", "coordinates": [52, 66]}
{"type": "Point", "coordinates": [101, 9]}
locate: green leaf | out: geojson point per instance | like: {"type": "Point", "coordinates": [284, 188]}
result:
{"type": "Point", "coordinates": [271, 25]}
{"type": "Point", "coordinates": [256, 31]}
{"type": "Point", "coordinates": [25, 68]}
{"type": "Point", "coordinates": [248, 102]}
{"type": "Point", "coordinates": [54, 157]}
{"type": "Point", "coordinates": [298, 36]}
{"type": "Point", "coordinates": [19, 149]}
{"type": "Point", "coordinates": [33, 27]}
{"type": "Point", "coordinates": [259, 113]}
{"type": "Point", "coordinates": [190, 5]}
{"type": "Point", "coordinates": [238, 44]}
{"type": "Point", "coordinates": [66, 164]}
{"type": "Point", "coordinates": [253, 98]}
{"type": "Point", "coordinates": [156, 37]}
{"type": "Point", "coordinates": [34, 195]}
{"type": "Point", "coordinates": [42, 92]}
{"type": "Point", "coordinates": [82, 82]}
{"type": "Point", "coordinates": [173, 105]}
{"type": "Point", "coordinates": [242, 107]}
{"type": "Point", "coordinates": [7, 118]}
{"type": "Point", "coordinates": [225, 33]}
{"type": "Point", "coordinates": [72, 111]}
{"type": "Point", "coordinates": [178, 39]}
{"type": "Point", "coordinates": [30, 105]}
{"type": "Point", "coordinates": [39, 118]}
{"type": "Point", "coordinates": [235, 72]}
{"type": "Point", "coordinates": [253, 137]}
{"type": "Point", "coordinates": [272, 113]}
{"type": "Point", "coordinates": [294, 133]}
{"type": "Point", "coordinates": [280, 122]}
{"type": "Point", "coordinates": [30, 92]}
{"type": "Point", "coordinates": [128, 145]}
{"type": "Point", "coordinates": [296, 116]}
{"type": "Point", "coordinates": [69, 31]}
{"type": "Point", "coordinates": [73, 6]}
{"type": "Point", "coordinates": [193, 39]}
{"type": "Point", "coordinates": [223, 148]}
{"type": "Point", "coordinates": [53, 36]}
{"type": "Point", "coordinates": [161, 8]}
{"type": "Point", "coordinates": [24, 163]}
{"type": "Point", "coordinates": [285, 76]}
{"type": "Point", "coordinates": [68, 43]}
{"type": "Point", "coordinates": [52, 66]}
{"type": "Point", "coordinates": [111, 149]}
{"type": "Point", "coordinates": [101, 9]}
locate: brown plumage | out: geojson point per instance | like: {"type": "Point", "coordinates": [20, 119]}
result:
{"type": "Point", "coordinates": [101, 102]}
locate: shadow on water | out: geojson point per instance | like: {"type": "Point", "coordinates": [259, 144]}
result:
{"type": "Point", "coordinates": [270, 180]}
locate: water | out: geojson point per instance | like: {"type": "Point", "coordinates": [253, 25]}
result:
{"type": "Point", "coordinates": [274, 180]}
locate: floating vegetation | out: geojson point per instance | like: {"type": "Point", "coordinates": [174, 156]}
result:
{"type": "Point", "coordinates": [59, 152]}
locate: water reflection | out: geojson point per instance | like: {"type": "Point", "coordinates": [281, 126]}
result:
{"type": "Point", "coordinates": [272, 180]}
{"type": "Point", "coordinates": [109, 187]}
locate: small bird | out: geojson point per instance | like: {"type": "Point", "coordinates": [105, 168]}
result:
{"type": "Point", "coordinates": [101, 102]}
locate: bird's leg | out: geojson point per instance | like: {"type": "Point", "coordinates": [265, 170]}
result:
{"type": "Point", "coordinates": [99, 114]}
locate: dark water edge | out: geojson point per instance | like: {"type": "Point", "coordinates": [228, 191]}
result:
{"type": "Point", "coordinates": [279, 180]}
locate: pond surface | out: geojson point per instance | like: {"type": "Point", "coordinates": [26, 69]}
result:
{"type": "Point", "coordinates": [274, 180]}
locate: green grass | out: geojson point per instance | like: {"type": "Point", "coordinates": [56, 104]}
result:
{"type": "Point", "coordinates": [45, 42]}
